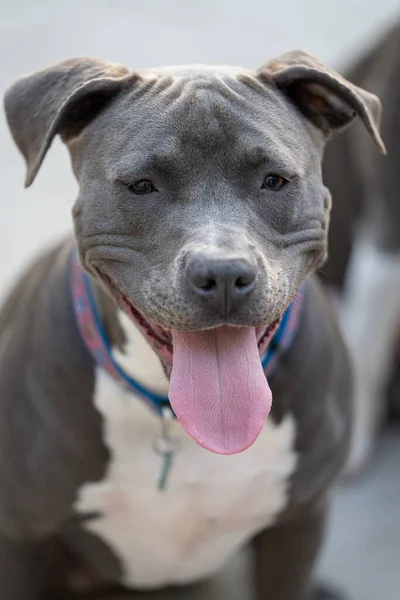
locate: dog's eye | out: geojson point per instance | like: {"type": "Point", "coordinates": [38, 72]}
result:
{"type": "Point", "coordinates": [142, 186]}
{"type": "Point", "coordinates": [274, 182]}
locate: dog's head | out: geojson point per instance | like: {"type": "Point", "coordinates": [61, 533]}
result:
{"type": "Point", "coordinates": [201, 203]}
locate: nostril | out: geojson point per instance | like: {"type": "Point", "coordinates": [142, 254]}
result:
{"type": "Point", "coordinates": [206, 284]}
{"type": "Point", "coordinates": [244, 281]}
{"type": "Point", "coordinates": [202, 281]}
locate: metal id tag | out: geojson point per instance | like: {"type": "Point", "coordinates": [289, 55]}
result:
{"type": "Point", "coordinates": [166, 447]}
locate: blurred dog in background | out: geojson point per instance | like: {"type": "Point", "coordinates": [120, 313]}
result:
{"type": "Point", "coordinates": [364, 258]}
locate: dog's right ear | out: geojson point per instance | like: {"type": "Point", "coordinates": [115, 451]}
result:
{"type": "Point", "coordinates": [59, 100]}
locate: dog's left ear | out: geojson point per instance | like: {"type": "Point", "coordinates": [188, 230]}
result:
{"type": "Point", "coordinates": [327, 99]}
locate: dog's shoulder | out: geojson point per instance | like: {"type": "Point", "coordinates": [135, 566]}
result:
{"type": "Point", "coordinates": [50, 433]}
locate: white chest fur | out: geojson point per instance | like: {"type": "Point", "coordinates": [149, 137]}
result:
{"type": "Point", "coordinates": [212, 505]}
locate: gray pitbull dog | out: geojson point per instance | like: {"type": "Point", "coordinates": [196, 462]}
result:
{"type": "Point", "coordinates": [201, 212]}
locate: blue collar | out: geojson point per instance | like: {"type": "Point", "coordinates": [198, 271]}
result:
{"type": "Point", "coordinates": [96, 340]}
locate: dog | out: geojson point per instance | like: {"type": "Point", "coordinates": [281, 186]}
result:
{"type": "Point", "coordinates": [134, 440]}
{"type": "Point", "coordinates": [364, 245]}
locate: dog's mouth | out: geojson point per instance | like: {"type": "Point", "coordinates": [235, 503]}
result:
{"type": "Point", "coordinates": [159, 337]}
{"type": "Point", "coordinates": [218, 389]}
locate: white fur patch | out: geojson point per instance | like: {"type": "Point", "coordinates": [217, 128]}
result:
{"type": "Point", "coordinates": [370, 315]}
{"type": "Point", "coordinates": [212, 505]}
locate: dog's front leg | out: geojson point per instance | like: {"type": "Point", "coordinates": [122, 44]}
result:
{"type": "Point", "coordinates": [285, 557]}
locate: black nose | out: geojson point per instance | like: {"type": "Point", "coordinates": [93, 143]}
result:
{"type": "Point", "coordinates": [222, 283]}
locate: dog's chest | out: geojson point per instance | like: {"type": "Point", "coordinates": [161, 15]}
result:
{"type": "Point", "coordinates": [212, 504]}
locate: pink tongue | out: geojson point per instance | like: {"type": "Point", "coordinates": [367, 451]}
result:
{"type": "Point", "coordinates": [218, 388]}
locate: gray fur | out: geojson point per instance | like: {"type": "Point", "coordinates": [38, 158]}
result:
{"type": "Point", "coordinates": [206, 137]}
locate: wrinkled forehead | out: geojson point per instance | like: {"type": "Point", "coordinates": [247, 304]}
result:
{"type": "Point", "coordinates": [207, 113]}
{"type": "Point", "coordinates": [197, 71]}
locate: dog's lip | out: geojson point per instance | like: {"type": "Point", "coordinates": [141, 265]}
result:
{"type": "Point", "coordinates": [161, 335]}
{"type": "Point", "coordinates": [155, 332]}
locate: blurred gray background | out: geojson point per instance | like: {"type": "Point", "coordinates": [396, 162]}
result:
{"type": "Point", "coordinates": [363, 546]}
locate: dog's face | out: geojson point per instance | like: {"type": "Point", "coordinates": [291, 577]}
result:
{"type": "Point", "coordinates": [201, 201]}
{"type": "Point", "coordinates": [201, 208]}
{"type": "Point", "coordinates": [213, 181]}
